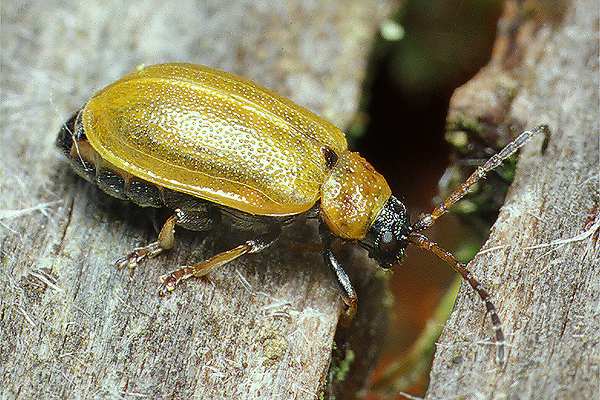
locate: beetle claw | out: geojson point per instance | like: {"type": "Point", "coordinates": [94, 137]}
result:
{"type": "Point", "coordinates": [168, 283]}
{"type": "Point", "coordinates": [348, 315]}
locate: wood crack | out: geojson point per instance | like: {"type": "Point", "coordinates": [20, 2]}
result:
{"type": "Point", "coordinates": [61, 242]}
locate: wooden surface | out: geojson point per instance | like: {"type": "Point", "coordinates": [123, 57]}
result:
{"type": "Point", "coordinates": [542, 259]}
{"type": "Point", "coordinates": [71, 326]}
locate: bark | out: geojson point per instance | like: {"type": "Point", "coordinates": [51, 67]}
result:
{"type": "Point", "coordinates": [541, 261]}
{"type": "Point", "coordinates": [71, 326]}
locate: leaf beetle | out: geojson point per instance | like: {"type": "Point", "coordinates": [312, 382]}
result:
{"type": "Point", "coordinates": [214, 147]}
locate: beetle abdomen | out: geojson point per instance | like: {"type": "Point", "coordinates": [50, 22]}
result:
{"type": "Point", "coordinates": [90, 166]}
{"type": "Point", "coordinates": [213, 135]}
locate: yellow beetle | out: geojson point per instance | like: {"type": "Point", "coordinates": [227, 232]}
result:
{"type": "Point", "coordinates": [216, 148]}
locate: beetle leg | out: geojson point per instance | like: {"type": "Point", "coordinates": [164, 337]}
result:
{"type": "Point", "coordinates": [166, 241]}
{"type": "Point", "coordinates": [171, 280]}
{"type": "Point", "coordinates": [346, 289]}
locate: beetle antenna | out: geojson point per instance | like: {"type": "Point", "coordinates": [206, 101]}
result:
{"type": "Point", "coordinates": [426, 220]}
{"type": "Point", "coordinates": [424, 243]}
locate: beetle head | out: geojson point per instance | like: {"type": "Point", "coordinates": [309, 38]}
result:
{"type": "Point", "coordinates": [387, 238]}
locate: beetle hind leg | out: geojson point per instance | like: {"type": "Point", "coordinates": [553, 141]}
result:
{"type": "Point", "coordinates": [165, 241]}
{"type": "Point", "coordinates": [171, 280]}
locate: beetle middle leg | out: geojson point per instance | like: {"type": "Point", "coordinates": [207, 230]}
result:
{"type": "Point", "coordinates": [171, 280]}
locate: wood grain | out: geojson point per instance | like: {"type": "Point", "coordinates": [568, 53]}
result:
{"type": "Point", "coordinates": [542, 258]}
{"type": "Point", "coordinates": [71, 326]}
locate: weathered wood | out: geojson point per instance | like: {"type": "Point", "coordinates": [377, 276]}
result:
{"type": "Point", "coordinates": [71, 326]}
{"type": "Point", "coordinates": [542, 259]}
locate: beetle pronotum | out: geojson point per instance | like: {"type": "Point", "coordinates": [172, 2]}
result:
{"type": "Point", "coordinates": [216, 148]}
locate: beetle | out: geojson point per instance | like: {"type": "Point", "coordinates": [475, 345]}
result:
{"type": "Point", "coordinates": [216, 148]}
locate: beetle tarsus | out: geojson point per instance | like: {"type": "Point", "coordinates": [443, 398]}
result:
{"type": "Point", "coordinates": [170, 281]}
{"type": "Point", "coordinates": [350, 312]}
{"type": "Point", "coordinates": [138, 254]}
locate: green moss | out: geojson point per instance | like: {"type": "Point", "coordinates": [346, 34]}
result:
{"type": "Point", "coordinates": [274, 346]}
{"type": "Point", "coordinates": [467, 251]}
{"type": "Point", "coordinates": [341, 371]}
{"type": "Point", "coordinates": [462, 123]}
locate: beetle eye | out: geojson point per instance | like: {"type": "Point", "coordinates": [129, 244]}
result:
{"type": "Point", "coordinates": [387, 237]}
{"type": "Point", "coordinates": [388, 243]}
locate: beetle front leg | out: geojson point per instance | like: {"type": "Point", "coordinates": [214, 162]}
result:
{"type": "Point", "coordinates": [165, 241]}
{"type": "Point", "coordinates": [346, 289]}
